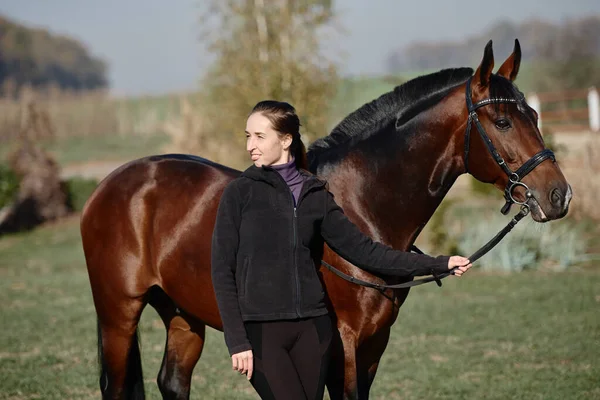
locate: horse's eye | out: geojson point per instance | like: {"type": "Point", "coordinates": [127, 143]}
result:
{"type": "Point", "coordinates": [502, 124]}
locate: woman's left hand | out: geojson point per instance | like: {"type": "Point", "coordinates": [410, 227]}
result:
{"type": "Point", "coordinates": [462, 264]}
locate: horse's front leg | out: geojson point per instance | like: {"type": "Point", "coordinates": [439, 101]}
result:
{"type": "Point", "coordinates": [353, 366]}
{"type": "Point", "coordinates": [368, 355]}
{"type": "Point", "coordinates": [341, 377]}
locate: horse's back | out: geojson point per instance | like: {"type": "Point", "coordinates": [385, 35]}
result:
{"type": "Point", "coordinates": [150, 223]}
{"type": "Point", "coordinates": [169, 181]}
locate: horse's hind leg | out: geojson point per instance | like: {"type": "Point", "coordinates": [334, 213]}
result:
{"type": "Point", "coordinates": [185, 340]}
{"type": "Point", "coordinates": [118, 350]}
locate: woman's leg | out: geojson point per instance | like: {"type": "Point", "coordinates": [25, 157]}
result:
{"type": "Point", "coordinates": [310, 355]}
{"type": "Point", "coordinates": [274, 375]}
{"type": "Point", "coordinates": [290, 357]}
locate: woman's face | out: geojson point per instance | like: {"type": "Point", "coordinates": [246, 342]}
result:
{"type": "Point", "coordinates": [263, 142]}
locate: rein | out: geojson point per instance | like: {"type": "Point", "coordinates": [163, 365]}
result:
{"type": "Point", "coordinates": [514, 181]}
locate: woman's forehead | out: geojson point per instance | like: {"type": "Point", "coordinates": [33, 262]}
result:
{"type": "Point", "coordinates": [257, 122]}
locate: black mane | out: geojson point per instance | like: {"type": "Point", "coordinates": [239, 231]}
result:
{"type": "Point", "coordinates": [397, 106]}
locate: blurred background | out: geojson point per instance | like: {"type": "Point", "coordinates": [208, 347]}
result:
{"type": "Point", "coordinates": [87, 86]}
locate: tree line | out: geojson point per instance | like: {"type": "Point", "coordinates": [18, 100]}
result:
{"type": "Point", "coordinates": [566, 55]}
{"type": "Point", "coordinates": [35, 57]}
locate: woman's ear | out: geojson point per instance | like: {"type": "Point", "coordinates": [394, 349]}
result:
{"type": "Point", "coordinates": [287, 141]}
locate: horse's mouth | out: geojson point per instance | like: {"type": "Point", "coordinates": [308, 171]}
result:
{"type": "Point", "coordinates": [537, 213]}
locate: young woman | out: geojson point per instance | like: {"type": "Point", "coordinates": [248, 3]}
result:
{"type": "Point", "coordinates": [271, 225]}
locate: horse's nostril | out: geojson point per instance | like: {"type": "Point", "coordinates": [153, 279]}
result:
{"type": "Point", "coordinates": [556, 197]}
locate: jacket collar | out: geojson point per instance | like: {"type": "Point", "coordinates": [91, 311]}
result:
{"type": "Point", "coordinates": [271, 176]}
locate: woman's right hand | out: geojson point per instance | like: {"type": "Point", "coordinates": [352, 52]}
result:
{"type": "Point", "coordinates": [243, 362]}
{"type": "Point", "coordinates": [461, 264]}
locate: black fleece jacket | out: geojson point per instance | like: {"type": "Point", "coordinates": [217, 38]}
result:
{"type": "Point", "coordinates": [266, 251]}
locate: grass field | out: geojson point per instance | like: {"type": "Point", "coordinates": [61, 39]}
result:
{"type": "Point", "coordinates": [76, 149]}
{"type": "Point", "coordinates": [486, 336]}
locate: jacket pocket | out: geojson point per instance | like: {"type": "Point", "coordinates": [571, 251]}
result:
{"type": "Point", "coordinates": [242, 282]}
{"type": "Point", "coordinates": [313, 293]}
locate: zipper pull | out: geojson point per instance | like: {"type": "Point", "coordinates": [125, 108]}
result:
{"type": "Point", "coordinates": [294, 212]}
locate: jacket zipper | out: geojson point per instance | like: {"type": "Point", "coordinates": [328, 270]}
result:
{"type": "Point", "coordinates": [295, 239]}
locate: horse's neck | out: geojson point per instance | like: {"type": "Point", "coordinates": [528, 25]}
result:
{"type": "Point", "coordinates": [393, 200]}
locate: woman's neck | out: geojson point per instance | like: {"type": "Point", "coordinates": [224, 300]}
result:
{"type": "Point", "coordinates": [285, 159]}
{"type": "Point", "coordinates": [292, 177]}
{"type": "Point", "coordinates": [288, 171]}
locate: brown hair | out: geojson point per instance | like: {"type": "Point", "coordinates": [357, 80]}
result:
{"type": "Point", "coordinates": [284, 120]}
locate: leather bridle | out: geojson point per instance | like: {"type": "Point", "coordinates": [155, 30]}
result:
{"type": "Point", "coordinates": [514, 178]}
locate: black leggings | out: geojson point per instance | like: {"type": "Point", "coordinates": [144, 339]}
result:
{"type": "Point", "coordinates": [290, 357]}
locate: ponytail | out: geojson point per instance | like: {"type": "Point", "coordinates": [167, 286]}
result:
{"type": "Point", "coordinates": [299, 152]}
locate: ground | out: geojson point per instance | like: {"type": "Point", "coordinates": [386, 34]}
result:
{"type": "Point", "coordinates": [528, 335]}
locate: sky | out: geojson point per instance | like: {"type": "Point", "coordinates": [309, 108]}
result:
{"type": "Point", "coordinates": [153, 47]}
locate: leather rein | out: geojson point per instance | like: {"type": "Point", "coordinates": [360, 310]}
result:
{"type": "Point", "coordinates": [514, 181]}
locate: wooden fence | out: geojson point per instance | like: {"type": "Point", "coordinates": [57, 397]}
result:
{"type": "Point", "coordinates": [567, 111]}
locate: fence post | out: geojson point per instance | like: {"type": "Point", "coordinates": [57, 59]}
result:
{"type": "Point", "coordinates": [594, 109]}
{"type": "Point", "coordinates": [534, 102]}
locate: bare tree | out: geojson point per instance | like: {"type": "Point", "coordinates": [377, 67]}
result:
{"type": "Point", "coordinates": [267, 50]}
{"type": "Point", "coordinates": [569, 58]}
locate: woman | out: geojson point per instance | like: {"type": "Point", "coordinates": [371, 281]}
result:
{"type": "Point", "coordinates": [267, 242]}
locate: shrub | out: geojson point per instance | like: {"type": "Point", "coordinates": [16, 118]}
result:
{"type": "Point", "coordinates": [9, 185]}
{"type": "Point", "coordinates": [463, 228]}
{"type": "Point", "coordinates": [438, 232]}
{"type": "Point", "coordinates": [556, 245]}
{"type": "Point", "coordinates": [484, 189]}
{"type": "Point", "coordinates": [78, 191]}
{"type": "Point", "coordinates": [551, 143]}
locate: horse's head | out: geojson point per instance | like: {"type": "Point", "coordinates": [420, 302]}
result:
{"type": "Point", "coordinates": [503, 145]}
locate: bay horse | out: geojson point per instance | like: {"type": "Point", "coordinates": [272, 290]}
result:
{"type": "Point", "coordinates": [147, 228]}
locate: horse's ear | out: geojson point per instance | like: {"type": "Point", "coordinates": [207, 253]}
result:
{"type": "Point", "coordinates": [510, 68]}
{"type": "Point", "coordinates": [484, 71]}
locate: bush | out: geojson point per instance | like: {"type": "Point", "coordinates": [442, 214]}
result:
{"type": "Point", "coordinates": [463, 228]}
{"type": "Point", "coordinates": [551, 143]}
{"type": "Point", "coordinates": [78, 191]}
{"type": "Point", "coordinates": [484, 189]}
{"type": "Point", "coordinates": [9, 185]}
{"type": "Point", "coordinates": [439, 238]}
{"type": "Point", "coordinates": [556, 245]}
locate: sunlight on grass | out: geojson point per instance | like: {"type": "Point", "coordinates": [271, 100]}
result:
{"type": "Point", "coordinates": [488, 335]}
{"type": "Point", "coordinates": [100, 148]}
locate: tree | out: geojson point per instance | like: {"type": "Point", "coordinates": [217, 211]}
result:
{"type": "Point", "coordinates": [565, 55]}
{"type": "Point", "coordinates": [267, 50]}
{"type": "Point", "coordinates": [37, 58]}
{"type": "Point", "coordinates": [569, 58]}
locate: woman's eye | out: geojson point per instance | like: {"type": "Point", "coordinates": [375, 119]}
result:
{"type": "Point", "coordinates": [502, 124]}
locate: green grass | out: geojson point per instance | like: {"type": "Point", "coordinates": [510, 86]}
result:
{"type": "Point", "coordinates": [485, 336]}
{"type": "Point", "coordinates": [100, 148]}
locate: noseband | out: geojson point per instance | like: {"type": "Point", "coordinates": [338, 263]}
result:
{"type": "Point", "coordinates": [514, 180]}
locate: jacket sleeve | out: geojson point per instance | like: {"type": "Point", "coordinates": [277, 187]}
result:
{"type": "Point", "coordinates": [349, 242]}
{"type": "Point", "coordinates": [224, 249]}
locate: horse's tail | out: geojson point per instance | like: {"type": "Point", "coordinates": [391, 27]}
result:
{"type": "Point", "coordinates": [134, 380]}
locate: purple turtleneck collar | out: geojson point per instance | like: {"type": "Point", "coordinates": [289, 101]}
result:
{"type": "Point", "coordinates": [294, 179]}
